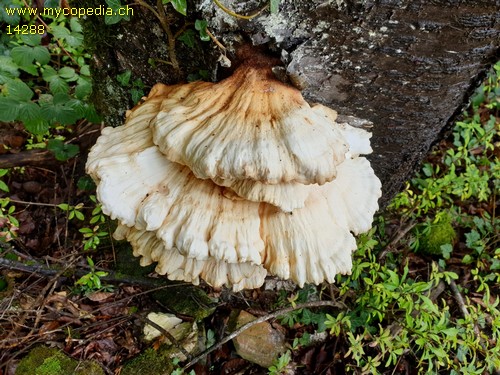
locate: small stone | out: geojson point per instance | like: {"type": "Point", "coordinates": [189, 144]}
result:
{"type": "Point", "coordinates": [164, 320]}
{"type": "Point", "coordinates": [261, 343]}
{"type": "Point", "coordinates": [32, 187]}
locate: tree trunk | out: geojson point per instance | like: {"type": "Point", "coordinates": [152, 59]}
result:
{"type": "Point", "coordinates": [408, 66]}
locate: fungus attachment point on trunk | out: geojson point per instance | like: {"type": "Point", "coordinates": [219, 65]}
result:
{"type": "Point", "coordinates": [231, 181]}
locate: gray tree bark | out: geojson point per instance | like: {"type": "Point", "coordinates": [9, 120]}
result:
{"type": "Point", "coordinates": [408, 66]}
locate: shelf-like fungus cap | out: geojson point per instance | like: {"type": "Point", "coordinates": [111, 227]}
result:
{"type": "Point", "coordinates": [229, 192]}
{"type": "Point", "coordinates": [176, 266]}
{"type": "Point", "coordinates": [249, 126]}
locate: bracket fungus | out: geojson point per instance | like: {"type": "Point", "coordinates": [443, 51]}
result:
{"type": "Point", "coordinates": [231, 181]}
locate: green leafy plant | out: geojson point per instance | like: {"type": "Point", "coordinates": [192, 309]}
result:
{"type": "Point", "coordinates": [201, 27]}
{"type": "Point", "coordinates": [135, 87]}
{"type": "Point", "coordinates": [302, 316]}
{"type": "Point", "coordinates": [92, 236]}
{"type": "Point", "coordinates": [120, 12]}
{"type": "Point", "coordinates": [73, 211]}
{"type": "Point", "coordinates": [45, 85]}
{"type": "Point", "coordinates": [91, 281]}
{"type": "Point", "coordinates": [8, 223]}
{"type": "Point", "coordinates": [178, 370]}
{"type": "Point", "coordinates": [280, 364]}
{"type": "Point", "coordinates": [62, 151]}
{"type": "Point", "coordinates": [179, 5]}
{"type": "Point", "coordinates": [3, 185]}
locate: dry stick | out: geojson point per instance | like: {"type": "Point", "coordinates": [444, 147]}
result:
{"type": "Point", "coordinates": [264, 318]}
{"type": "Point", "coordinates": [113, 277]}
{"type": "Point", "coordinates": [32, 203]}
{"type": "Point", "coordinates": [463, 309]}
{"type": "Point", "coordinates": [397, 238]}
{"type": "Point", "coordinates": [30, 157]}
{"type": "Point", "coordinates": [214, 39]}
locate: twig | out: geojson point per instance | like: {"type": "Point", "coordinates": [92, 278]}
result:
{"type": "Point", "coordinates": [30, 157]}
{"type": "Point", "coordinates": [463, 309]}
{"type": "Point", "coordinates": [400, 234]}
{"type": "Point", "coordinates": [32, 203]}
{"type": "Point", "coordinates": [459, 299]}
{"type": "Point", "coordinates": [264, 318]}
{"type": "Point", "coordinates": [112, 277]}
{"type": "Point", "coordinates": [214, 39]}
{"type": "Point", "coordinates": [236, 15]}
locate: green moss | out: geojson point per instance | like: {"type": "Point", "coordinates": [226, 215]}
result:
{"type": "Point", "coordinates": [50, 361]}
{"type": "Point", "coordinates": [127, 263]}
{"type": "Point", "coordinates": [149, 362]}
{"type": "Point", "coordinates": [159, 362]}
{"type": "Point", "coordinates": [186, 300]}
{"type": "Point", "coordinates": [438, 234]}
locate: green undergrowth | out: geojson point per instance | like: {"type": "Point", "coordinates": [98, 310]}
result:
{"type": "Point", "coordinates": [44, 75]}
{"type": "Point", "coordinates": [423, 293]}
{"type": "Point", "coordinates": [45, 84]}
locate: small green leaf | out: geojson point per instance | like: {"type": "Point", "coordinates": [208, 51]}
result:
{"type": "Point", "coordinates": [41, 54]}
{"type": "Point", "coordinates": [75, 25]}
{"type": "Point", "coordinates": [83, 88]}
{"type": "Point", "coordinates": [32, 39]}
{"type": "Point", "coordinates": [31, 69]}
{"type": "Point", "coordinates": [180, 6]}
{"type": "Point", "coordinates": [85, 70]}
{"type": "Point", "coordinates": [63, 151]}
{"type": "Point", "coordinates": [3, 186]}
{"type": "Point", "coordinates": [201, 26]}
{"type": "Point", "coordinates": [48, 73]}
{"type": "Point", "coordinates": [188, 38]}
{"type": "Point", "coordinates": [37, 126]}
{"type": "Point", "coordinates": [74, 39]}
{"type": "Point", "coordinates": [18, 90]}
{"type": "Point", "coordinates": [25, 55]}
{"type": "Point", "coordinates": [90, 114]}
{"type": "Point", "coordinates": [11, 18]}
{"type": "Point", "coordinates": [22, 55]}
{"type": "Point", "coordinates": [68, 74]}
{"type": "Point", "coordinates": [60, 113]}
{"type": "Point", "coordinates": [86, 183]}
{"type": "Point", "coordinates": [117, 7]}
{"type": "Point", "coordinates": [124, 78]}
{"type": "Point", "coordinates": [136, 94]}
{"type": "Point", "coordinates": [29, 111]}
{"type": "Point", "coordinates": [8, 69]}
{"type": "Point", "coordinates": [63, 206]}
{"type": "Point", "coordinates": [58, 85]}
{"type": "Point", "coordinates": [9, 109]}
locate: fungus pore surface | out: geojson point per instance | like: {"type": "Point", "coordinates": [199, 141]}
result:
{"type": "Point", "coordinates": [231, 181]}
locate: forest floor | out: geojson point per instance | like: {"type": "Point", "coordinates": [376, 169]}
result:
{"type": "Point", "coordinates": [423, 295]}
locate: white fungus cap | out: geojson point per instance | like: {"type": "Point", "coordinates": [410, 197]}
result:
{"type": "Point", "coordinates": [229, 182]}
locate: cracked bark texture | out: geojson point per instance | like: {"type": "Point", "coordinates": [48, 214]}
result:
{"type": "Point", "coordinates": [408, 66]}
